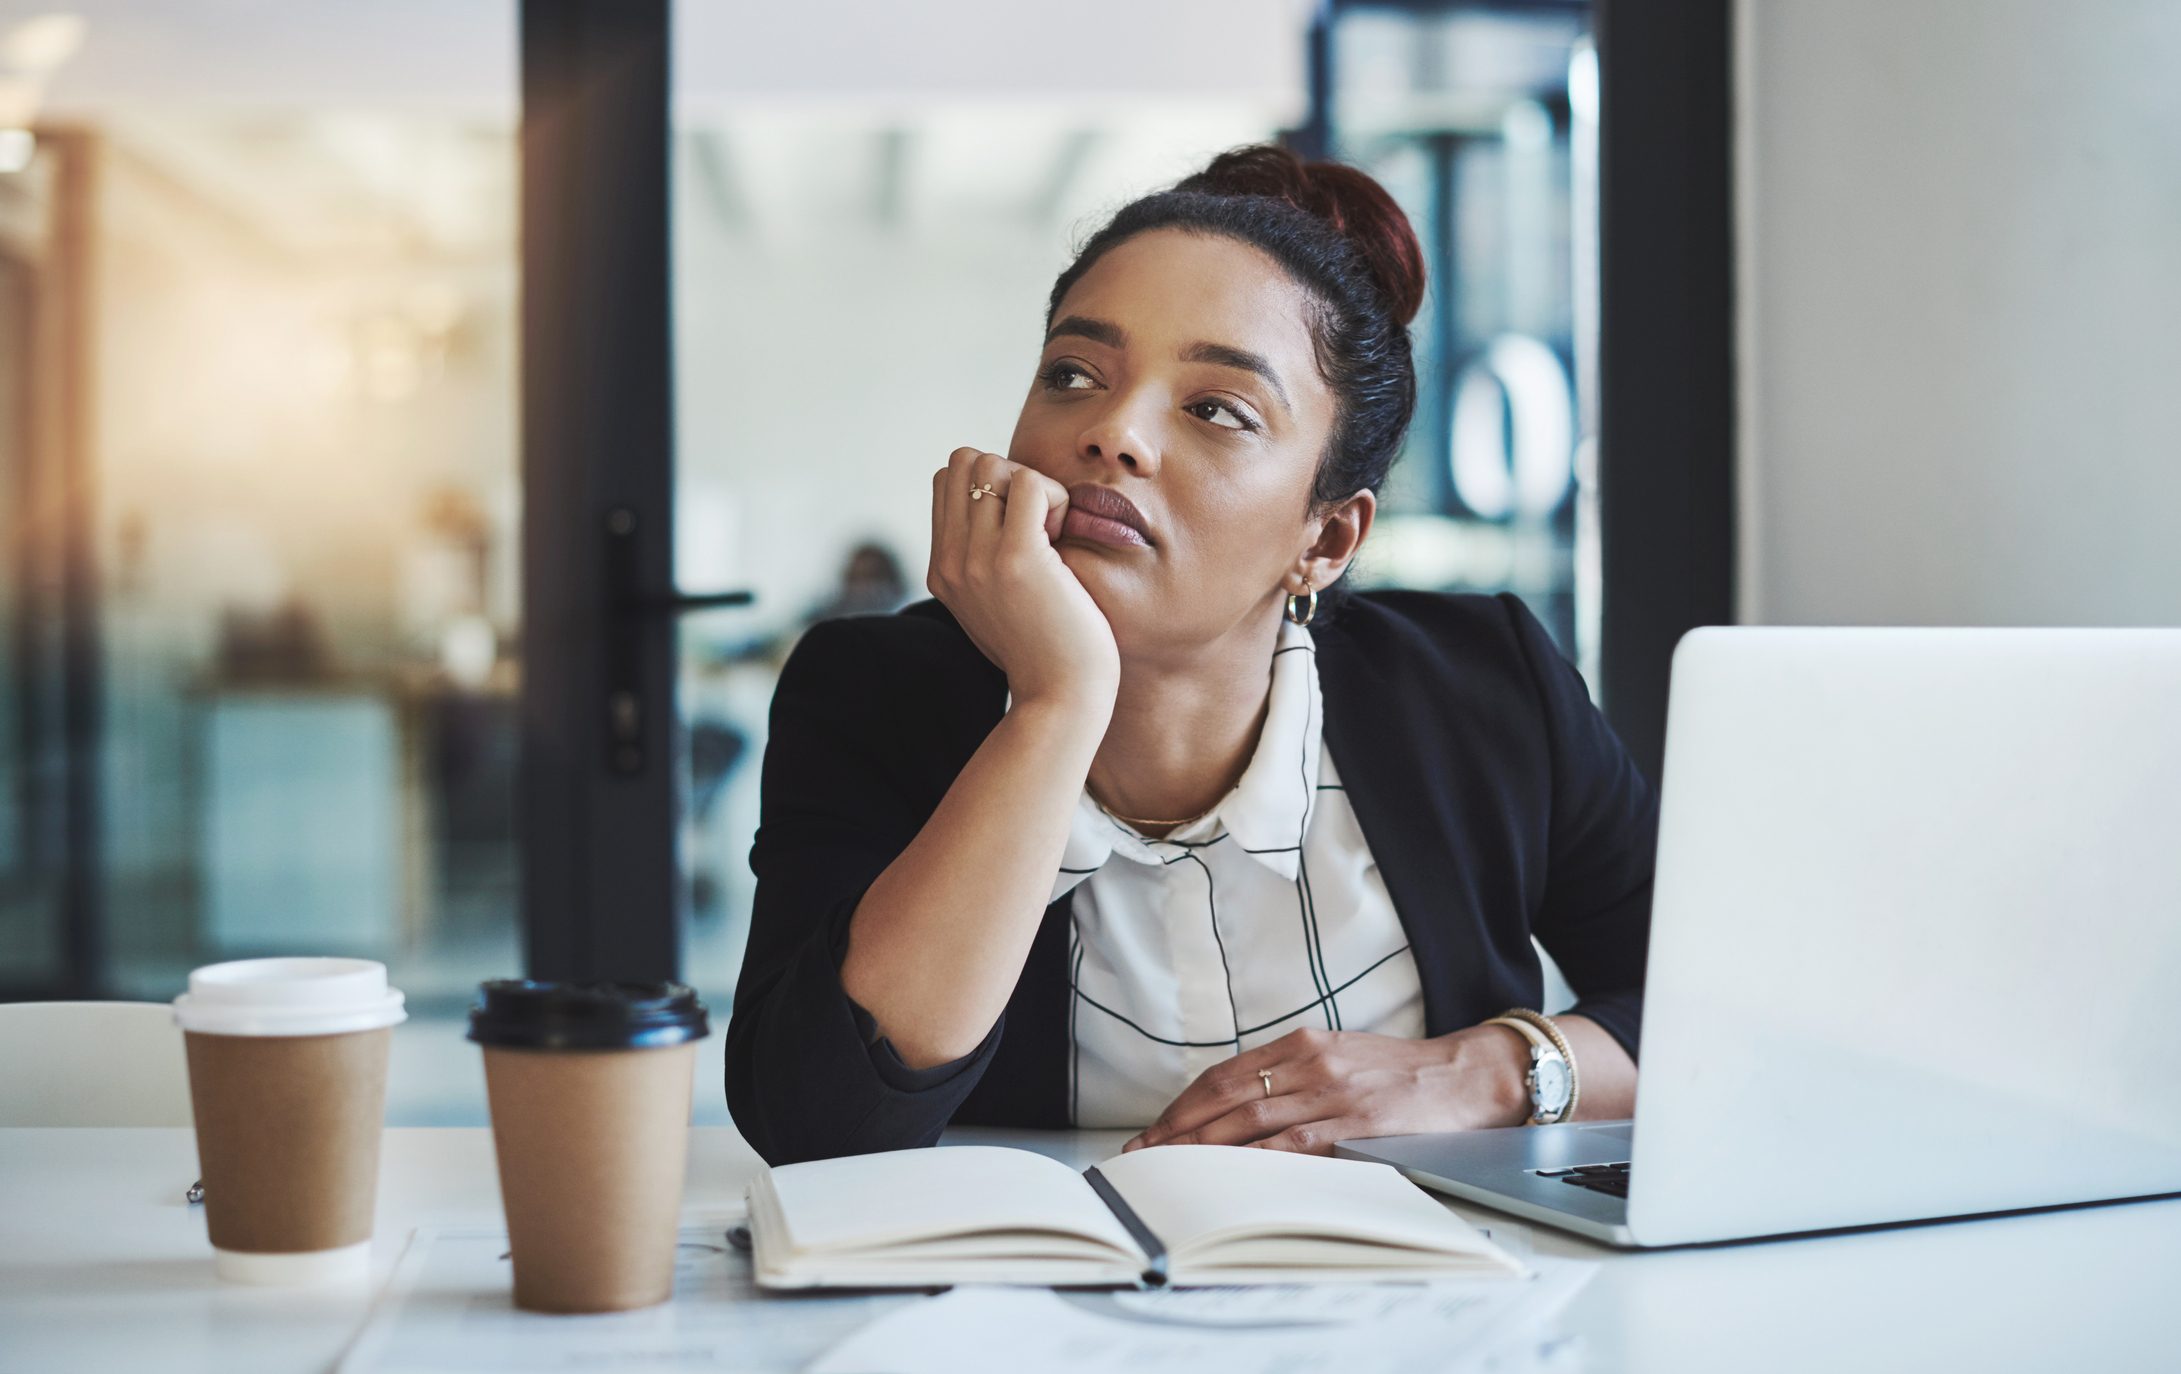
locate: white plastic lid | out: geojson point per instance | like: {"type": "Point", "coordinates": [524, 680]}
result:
{"type": "Point", "coordinates": [288, 997]}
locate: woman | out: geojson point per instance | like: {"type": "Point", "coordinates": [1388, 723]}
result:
{"type": "Point", "coordinates": [1068, 845]}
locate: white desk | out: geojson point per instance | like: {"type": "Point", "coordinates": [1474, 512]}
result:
{"type": "Point", "coordinates": [104, 1267]}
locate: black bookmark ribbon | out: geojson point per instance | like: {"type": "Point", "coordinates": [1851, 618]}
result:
{"type": "Point", "coordinates": [1154, 1249]}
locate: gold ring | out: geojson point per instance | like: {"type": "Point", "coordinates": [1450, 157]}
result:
{"type": "Point", "coordinates": [981, 491]}
{"type": "Point", "coordinates": [1265, 1076]}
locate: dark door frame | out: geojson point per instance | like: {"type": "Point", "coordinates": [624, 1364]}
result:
{"type": "Point", "coordinates": [597, 820]}
{"type": "Point", "coordinates": [1666, 413]}
{"type": "Point", "coordinates": [600, 773]}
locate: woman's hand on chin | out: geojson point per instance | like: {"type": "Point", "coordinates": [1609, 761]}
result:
{"type": "Point", "coordinates": [993, 523]}
{"type": "Point", "coordinates": [1328, 1086]}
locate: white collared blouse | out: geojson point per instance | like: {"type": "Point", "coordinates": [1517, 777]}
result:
{"type": "Point", "coordinates": [1265, 915]}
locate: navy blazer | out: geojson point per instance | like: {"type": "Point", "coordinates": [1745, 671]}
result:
{"type": "Point", "coordinates": [1497, 802]}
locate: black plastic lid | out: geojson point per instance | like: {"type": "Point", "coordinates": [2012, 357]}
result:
{"type": "Point", "coordinates": [525, 1014]}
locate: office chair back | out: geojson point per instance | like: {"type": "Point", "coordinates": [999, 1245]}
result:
{"type": "Point", "coordinates": [92, 1064]}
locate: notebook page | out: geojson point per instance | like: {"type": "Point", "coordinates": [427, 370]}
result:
{"type": "Point", "coordinates": [1192, 1196]}
{"type": "Point", "coordinates": [866, 1201]}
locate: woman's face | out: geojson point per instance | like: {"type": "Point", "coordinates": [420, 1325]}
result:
{"type": "Point", "coordinates": [1179, 373]}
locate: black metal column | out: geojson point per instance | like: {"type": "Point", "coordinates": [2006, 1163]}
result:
{"type": "Point", "coordinates": [83, 661]}
{"type": "Point", "coordinates": [1314, 139]}
{"type": "Point", "coordinates": [1666, 346]}
{"type": "Point", "coordinates": [1442, 256]}
{"type": "Point", "coordinates": [598, 809]}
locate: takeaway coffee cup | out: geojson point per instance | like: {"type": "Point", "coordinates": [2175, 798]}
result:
{"type": "Point", "coordinates": [287, 1077]}
{"type": "Point", "coordinates": [590, 1086]}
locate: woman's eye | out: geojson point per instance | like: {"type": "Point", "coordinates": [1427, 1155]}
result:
{"type": "Point", "coordinates": [1234, 418]}
{"type": "Point", "coordinates": [1065, 377]}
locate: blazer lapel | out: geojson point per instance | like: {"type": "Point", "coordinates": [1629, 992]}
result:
{"type": "Point", "coordinates": [1395, 756]}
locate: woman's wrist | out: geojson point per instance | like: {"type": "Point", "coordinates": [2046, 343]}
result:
{"type": "Point", "coordinates": [1079, 710]}
{"type": "Point", "coordinates": [1499, 1059]}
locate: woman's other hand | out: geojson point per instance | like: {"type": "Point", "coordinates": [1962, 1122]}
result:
{"type": "Point", "coordinates": [1330, 1086]}
{"type": "Point", "coordinates": [994, 566]}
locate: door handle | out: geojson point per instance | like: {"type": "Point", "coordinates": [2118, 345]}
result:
{"type": "Point", "coordinates": [680, 603]}
{"type": "Point", "coordinates": [629, 606]}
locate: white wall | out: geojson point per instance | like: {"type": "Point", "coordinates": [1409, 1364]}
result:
{"type": "Point", "coordinates": [1960, 279]}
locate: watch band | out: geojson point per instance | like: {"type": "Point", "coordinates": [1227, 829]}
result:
{"type": "Point", "coordinates": [1523, 1029]}
{"type": "Point", "coordinates": [1544, 1025]}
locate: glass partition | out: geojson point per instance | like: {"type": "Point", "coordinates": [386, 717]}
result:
{"type": "Point", "coordinates": [258, 493]}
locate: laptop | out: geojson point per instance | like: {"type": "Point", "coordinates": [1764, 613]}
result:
{"type": "Point", "coordinates": [1915, 945]}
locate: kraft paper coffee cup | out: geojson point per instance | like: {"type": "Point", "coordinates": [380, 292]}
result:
{"type": "Point", "coordinates": [590, 1087]}
{"type": "Point", "coordinates": [287, 1078]}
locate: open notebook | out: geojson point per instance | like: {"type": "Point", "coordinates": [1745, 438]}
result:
{"type": "Point", "coordinates": [1184, 1214]}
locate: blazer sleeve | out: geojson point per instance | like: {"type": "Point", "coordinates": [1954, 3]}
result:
{"type": "Point", "coordinates": [808, 1076]}
{"type": "Point", "coordinates": [1595, 919]}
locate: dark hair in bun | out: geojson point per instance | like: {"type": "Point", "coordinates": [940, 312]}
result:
{"type": "Point", "coordinates": [1347, 198]}
{"type": "Point", "coordinates": [1339, 234]}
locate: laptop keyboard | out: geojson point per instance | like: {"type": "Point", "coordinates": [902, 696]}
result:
{"type": "Point", "coordinates": [1610, 1179]}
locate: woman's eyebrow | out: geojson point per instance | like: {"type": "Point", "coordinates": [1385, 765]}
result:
{"type": "Point", "coordinates": [1084, 327]}
{"type": "Point", "coordinates": [1227, 355]}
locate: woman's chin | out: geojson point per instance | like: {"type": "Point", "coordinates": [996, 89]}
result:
{"type": "Point", "coordinates": [1116, 588]}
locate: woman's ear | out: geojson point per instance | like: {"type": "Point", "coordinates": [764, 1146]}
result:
{"type": "Point", "coordinates": [1341, 532]}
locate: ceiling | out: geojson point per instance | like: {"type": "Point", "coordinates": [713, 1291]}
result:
{"type": "Point", "coordinates": [460, 55]}
{"type": "Point", "coordinates": [388, 126]}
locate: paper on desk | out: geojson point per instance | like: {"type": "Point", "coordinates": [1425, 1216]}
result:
{"type": "Point", "coordinates": [449, 1307]}
{"type": "Point", "coordinates": [1434, 1328]}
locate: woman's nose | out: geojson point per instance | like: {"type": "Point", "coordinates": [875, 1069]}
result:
{"type": "Point", "coordinates": [1120, 436]}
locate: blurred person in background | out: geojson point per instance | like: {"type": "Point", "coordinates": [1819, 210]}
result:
{"type": "Point", "coordinates": [871, 584]}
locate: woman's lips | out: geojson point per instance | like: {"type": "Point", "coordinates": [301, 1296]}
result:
{"type": "Point", "coordinates": [1081, 524]}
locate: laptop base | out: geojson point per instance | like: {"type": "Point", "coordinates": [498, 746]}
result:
{"type": "Point", "coordinates": [1505, 1169]}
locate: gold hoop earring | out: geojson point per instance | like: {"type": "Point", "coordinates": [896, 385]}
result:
{"type": "Point", "coordinates": [1310, 611]}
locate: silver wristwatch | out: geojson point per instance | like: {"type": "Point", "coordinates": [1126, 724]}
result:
{"type": "Point", "coordinates": [1551, 1086]}
{"type": "Point", "coordinates": [1550, 1081]}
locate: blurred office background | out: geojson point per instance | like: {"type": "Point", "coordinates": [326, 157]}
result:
{"type": "Point", "coordinates": [261, 339]}
{"type": "Point", "coordinates": [260, 624]}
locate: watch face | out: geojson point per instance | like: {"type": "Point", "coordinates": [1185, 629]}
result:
{"type": "Point", "coordinates": [1549, 1080]}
